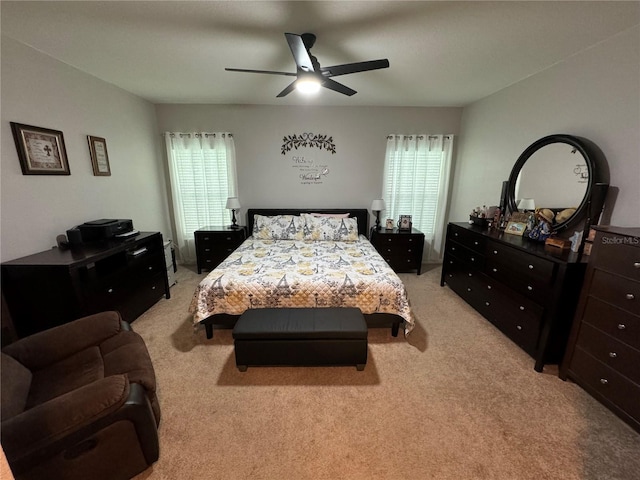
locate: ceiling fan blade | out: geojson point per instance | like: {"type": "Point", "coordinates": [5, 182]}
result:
{"type": "Point", "coordinates": [354, 67]}
{"type": "Point", "coordinates": [337, 87]}
{"type": "Point", "coordinates": [260, 71]}
{"type": "Point", "coordinates": [300, 52]}
{"type": "Point", "coordinates": [287, 90]}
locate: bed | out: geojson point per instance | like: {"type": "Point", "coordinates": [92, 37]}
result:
{"type": "Point", "coordinates": [293, 260]}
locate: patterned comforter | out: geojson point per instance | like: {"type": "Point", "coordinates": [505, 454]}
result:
{"type": "Point", "coordinates": [291, 273]}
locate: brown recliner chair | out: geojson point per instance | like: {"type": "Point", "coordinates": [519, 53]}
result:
{"type": "Point", "coordinates": [79, 401]}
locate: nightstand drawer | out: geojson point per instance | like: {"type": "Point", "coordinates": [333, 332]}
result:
{"type": "Point", "coordinates": [214, 244]}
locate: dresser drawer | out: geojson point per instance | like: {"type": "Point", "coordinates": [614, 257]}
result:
{"type": "Point", "coordinates": [466, 255]}
{"type": "Point", "coordinates": [538, 269]}
{"type": "Point", "coordinates": [618, 253]}
{"type": "Point", "coordinates": [608, 350]}
{"type": "Point", "coordinates": [618, 291]}
{"type": "Point", "coordinates": [620, 324]}
{"type": "Point", "coordinates": [520, 278]}
{"type": "Point", "coordinates": [614, 387]}
{"type": "Point", "coordinates": [468, 239]}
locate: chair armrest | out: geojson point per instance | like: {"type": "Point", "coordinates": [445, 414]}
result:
{"type": "Point", "coordinates": [50, 346]}
{"type": "Point", "coordinates": [41, 426]}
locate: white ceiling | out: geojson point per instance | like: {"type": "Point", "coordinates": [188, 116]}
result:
{"type": "Point", "coordinates": [442, 53]}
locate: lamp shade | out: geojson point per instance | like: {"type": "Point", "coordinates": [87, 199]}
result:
{"type": "Point", "coordinates": [526, 204]}
{"type": "Point", "coordinates": [233, 203]}
{"type": "Point", "coordinates": [378, 205]}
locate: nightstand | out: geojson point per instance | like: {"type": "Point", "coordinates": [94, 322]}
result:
{"type": "Point", "coordinates": [402, 249]}
{"type": "Point", "coordinates": [214, 244]}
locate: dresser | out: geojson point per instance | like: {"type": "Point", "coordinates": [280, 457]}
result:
{"type": "Point", "coordinates": [603, 355]}
{"type": "Point", "coordinates": [529, 291]}
{"type": "Point", "coordinates": [402, 249]}
{"type": "Point", "coordinates": [56, 286]}
{"type": "Point", "coordinates": [214, 244]}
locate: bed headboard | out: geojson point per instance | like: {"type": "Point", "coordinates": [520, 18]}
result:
{"type": "Point", "coordinates": [361, 214]}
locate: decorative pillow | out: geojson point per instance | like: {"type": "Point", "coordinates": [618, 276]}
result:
{"type": "Point", "coordinates": [279, 227]}
{"type": "Point", "coordinates": [330, 215]}
{"type": "Point", "coordinates": [330, 228]}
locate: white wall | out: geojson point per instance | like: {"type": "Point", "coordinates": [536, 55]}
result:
{"type": "Point", "coordinates": [594, 94]}
{"type": "Point", "coordinates": [38, 90]}
{"type": "Point", "coordinates": [266, 178]}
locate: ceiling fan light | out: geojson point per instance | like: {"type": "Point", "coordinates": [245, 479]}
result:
{"type": "Point", "coordinates": [308, 85]}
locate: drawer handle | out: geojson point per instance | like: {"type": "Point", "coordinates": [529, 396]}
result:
{"type": "Point", "coordinates": [206, 238]}
{"type": "Point", "coordinates": [453, 249]}
{"type": "Point", "coordinates": [470, 274]}
{"type": "Point", "coordinates": [411, 239]}
{"type": "Point", "coordinates": [521, 308]}
{"type": "Point", "coordinates": [604, 381]}
{"type": "Point", "coordinates": [495, 252]}
{"type": "Point", "coordinates": [468, 289]}
{"type": "Point", "coordinates": [489, 287]}
{"type": "Point", "coordinates": [473, 259]}
{"type": "Point", "coordinates": [636, 265]}
{"type": "Point", "coordinates": [451, 275]}
{"type": "Point", "coordinates": [455, 234]}
{"type": "Point", "coordinates": [519, 327]}
{"type": "Point", "coordinates": [495, 270]}
{"type": "Point", "coordinates": [151, 268]}
{"type": "Point", "coordinates": [409, 250]}
{"type": "Point", "coordinates": [388, 239]}
{"type": "Point", "coordinates": [530, 267]}
{"type": "Point", "coordinates": [530, 288]}
{"type": "Point", "coordinates": [630, 296]}
{"type": "Point", "coordinates": [207, 249]}
{"type": "Point", "coordinates": [450, 262]}
{"type": "Point", "coordinates": [487, 303]}
{"type": "Point", "coordinates": [613, 354]}
{"type": "Point", "coordinates": [475, 243]}
{"type": "Point", "coordinates": [153, 288]}
{"type": "Point", "coordinates": [388, 249]}
{"type": "Point", "coordinates": [621, 326]}
{"type": "Point", "coordinates": [228, 238]}
{"type": "Point", "coordinates": [110, 290]}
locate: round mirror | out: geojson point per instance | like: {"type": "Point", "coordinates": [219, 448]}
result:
{"type": "Point", "coordinates": [557, 172]}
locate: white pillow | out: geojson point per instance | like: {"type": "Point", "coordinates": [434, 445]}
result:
{"type": "Point", "coordinates": [330, 228]}
{"type": "Point", "coordinates": [279, 227]}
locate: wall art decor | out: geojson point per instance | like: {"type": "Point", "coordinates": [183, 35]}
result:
{"type": "Point", "coordinates": [293, 142]}
{"type": "Point", "coordinates": [310, 167]}
{"type": "Point", "coordinates": [99, 156]}
{"type": "Point", "coordinates": [41, 151]}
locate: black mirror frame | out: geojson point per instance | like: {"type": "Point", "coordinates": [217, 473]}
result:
{"type": "Point", "coordinates": [598, 175]}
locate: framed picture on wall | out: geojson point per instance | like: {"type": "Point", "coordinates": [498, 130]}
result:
{"type": "Point", "coordinates": [41, 151]}
{"type": "Point", "coordinates": [99, 156]}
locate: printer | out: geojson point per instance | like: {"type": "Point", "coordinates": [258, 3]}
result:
{"type": "Point", "coordinates": [103, 229]}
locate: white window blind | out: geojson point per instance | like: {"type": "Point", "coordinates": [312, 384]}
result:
{"type": "Point", "coordinates": [203, 176]}
{"type": "Point", "coordinates": [416, 183]}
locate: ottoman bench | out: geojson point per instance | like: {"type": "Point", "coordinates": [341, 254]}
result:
{"type": "Point", "coordinates": [301, 336]}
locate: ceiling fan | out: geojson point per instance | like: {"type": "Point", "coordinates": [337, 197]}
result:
{"type": "Point", "coordinates": [309, 71]}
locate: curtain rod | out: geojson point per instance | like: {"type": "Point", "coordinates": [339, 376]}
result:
{"type": "Point", "coordinates": [206, 135]}
{"type": "Point", "coordinates": [419, 137]}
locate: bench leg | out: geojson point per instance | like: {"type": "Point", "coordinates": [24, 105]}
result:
{"type": "Point", "coordinates": [208, 327]}
{"type": "Point", "coordinates": [394, 329]}
{"type": "Point", "coordinates": [360, 367]}
{"type": "Point", "coordinates": [242, 368]}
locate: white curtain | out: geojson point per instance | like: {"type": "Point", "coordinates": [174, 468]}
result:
{"type": "Point", "coordinates": [416, 182]}
{"type": "Point", "coordinates": [202, 171]}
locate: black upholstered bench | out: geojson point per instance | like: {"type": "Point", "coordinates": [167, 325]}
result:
{"type": "Point", "coordinates": [301, 336]}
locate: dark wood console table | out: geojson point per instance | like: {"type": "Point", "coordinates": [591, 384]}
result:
{"type": "Point", "coordinates": [56, 286]}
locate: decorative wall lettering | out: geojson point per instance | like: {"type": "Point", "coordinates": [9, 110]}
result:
{"type": "Point", "coordinates": [310, 170]}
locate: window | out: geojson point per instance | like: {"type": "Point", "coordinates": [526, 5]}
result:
{"type": "Point", "coordinates": [416, 183]}
{"type": "Point", "coordinates": [202, 171]}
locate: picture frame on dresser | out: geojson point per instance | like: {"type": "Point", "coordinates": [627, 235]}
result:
{"type": "Point", "coordinates": [41, 151]}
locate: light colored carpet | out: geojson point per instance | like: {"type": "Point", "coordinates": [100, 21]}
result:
{"type": "Point", "coordinates": [454, 400]}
